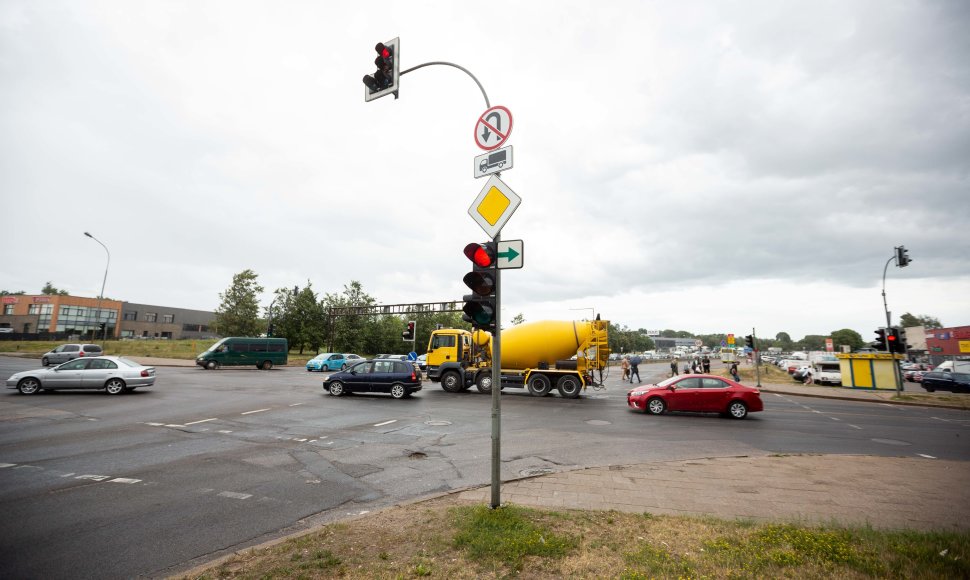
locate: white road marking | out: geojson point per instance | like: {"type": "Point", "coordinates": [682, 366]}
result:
{"type": "Point", "coordinates": [835, 418]}
{"type": "Point", "coordinates": [296, 404]}
{"type": "Point", "coordinates": [225, 432]}
{"type": "Point", "coordinates": [69, 474]}
{"type": "Point", "coordinates": [203, 421]}
{"type": "Point", "coordinates": [386, 423]}
{"type": "Point", "coordinates": [854, 426]}
{"type": "Point", "coordinates": [300, 440]}
{"type": "Point", "coordinates": [235, 495]}
{"type": "Point", "coordinates": [176, 426]}
{"type": "Point", "coordinates": [926, 456]}
{"type": "Point", "coordinates": [939, 419]}
{"type": "Point", "coordinates": [156, 424]}
{"type": "Point", "coordinates": [814, 411]}
{"type": "Point", "coordinates": [256, 411]}
{"type": "Point", "coordinates": [2, 465]}
{"type": "Point", "coordinates": [123, 480]}
{"type": "Point", "coordinates": [93, 477]}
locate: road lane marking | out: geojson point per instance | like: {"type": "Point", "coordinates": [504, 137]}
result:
{"type": "Point", "coordinates": [2, 465]}
{"type": "Point", "coordinates": [854, 426]}
{"type": "Point", "coordinates": [93, 477]}
{"type": "Point", "coordinates": [235, 495]}
{"type": "Point", "coordinates": [386, 423]}
{"type": "Point", "coordinates": [256, 411]}
{"type": "Point", "coordinates": [296, 404]}
{"type": "Point", "coordinates": [835, 418]}
{"type": "Point", "coordinates": [123, 480]}
{"type": "Point", "coordinates": [156, 424]}
{"type": "Point", "coordinates": [300, 440]}
{"type": "Point", "coordinates": [176, 426]}
{"type": "Point", "coordinates": [926, 456]}
{"type": "Point", "coordinates": [203, 421]}
{"type": "Point", "coordinates": [225, 432]}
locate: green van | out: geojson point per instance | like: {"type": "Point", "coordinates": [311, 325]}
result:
{"type": "Point", "coordinates": [241, 351]}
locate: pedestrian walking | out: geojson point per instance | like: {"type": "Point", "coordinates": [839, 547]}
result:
{"type": "Point", "coordinates": [625, 365]}
{"type": "Point", "coordinates": [734, 372]}
{"type": "Point", "coordinates": [707, 364]}
{"type": "Point", "coordinates": [673, 367]}
{"type": "Point", "coordinates": [635, 368]}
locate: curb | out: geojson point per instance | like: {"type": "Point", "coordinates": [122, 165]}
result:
{"type": "Point", "coordinates": [861, 400]}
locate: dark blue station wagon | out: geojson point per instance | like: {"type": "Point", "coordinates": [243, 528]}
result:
{"type": "Point", "coordinates": [397, 377]}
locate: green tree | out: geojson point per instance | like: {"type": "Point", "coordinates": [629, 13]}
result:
{"type": "Point", "coordinates": [783, 341]}
{"type": "Point", "coordinates": [908, 320]}
{"type": "Point", "coordinates": [349, 333]}
{"type": "Point", "coordinates": [238, 313]}
{"type": "Point", "coordinates": [8, 293]}
{"type": "Point", "coordinates": [812, 342]}
{"type": "Point", "coordinates": [50, 290]}
{"type": "Point", "coordinates": [849, 337]}
{"type": "Point", "coordinates": [299, 317]}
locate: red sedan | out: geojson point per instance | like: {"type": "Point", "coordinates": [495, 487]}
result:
{"type": "Point", "coordinates": [698, 393]}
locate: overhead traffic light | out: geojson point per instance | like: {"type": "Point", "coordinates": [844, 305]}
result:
{"type": "Point", "coordinates": [749, 341]}
{"type": "Point", "coordinates": [408, 333]}
{"type": "Point", "coordinates": [902, 257]}
{"type": "Point", "coordinates": [880, 342]}
{"type": "Point", "coordinates": [479, 308]}
{"type": "Point", "coordinates": [384, 81]}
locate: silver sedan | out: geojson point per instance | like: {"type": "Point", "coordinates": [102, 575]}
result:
{"type": "Point", "coordinates": [114, 374]}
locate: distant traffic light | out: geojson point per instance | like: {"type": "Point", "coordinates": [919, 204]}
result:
{"type": "Point", "coordinates": [101, 326]}
{"type": "Point", "coordinates": [896, 340]}
{"type": "Point", "coordinates": [384, 81]}
{"type": "Point", "coordinates": [408, 333]}
{"type": "Point", "coordinates": [269, 331]}
{"type": "Point", "coordinates": [902, 257]}
{"type": "Point", "coordinates": [880, 342]}
{"type": "Point", "coordinates": [479, 308]}
{"type": "Point", "coordinates": [749, 341]}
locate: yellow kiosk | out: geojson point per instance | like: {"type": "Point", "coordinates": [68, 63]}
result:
{"type": "Point", "coordinates": [868, 370]}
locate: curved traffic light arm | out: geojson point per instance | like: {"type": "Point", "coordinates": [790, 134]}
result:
{"type": "Point", "coordinates": [461, 68]}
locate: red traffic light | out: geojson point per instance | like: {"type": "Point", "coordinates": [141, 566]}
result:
{"type": "Point", "coordinates": [481, 254]}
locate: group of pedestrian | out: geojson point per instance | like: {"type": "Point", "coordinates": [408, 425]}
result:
{"type": "Point", "coordinates": [631, 366]}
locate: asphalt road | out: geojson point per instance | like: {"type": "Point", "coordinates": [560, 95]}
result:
{"type": "Point", "coordinates": [150, 483]}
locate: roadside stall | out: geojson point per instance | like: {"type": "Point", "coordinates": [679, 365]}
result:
{"type": "Point", "coordinates": [869, 370]}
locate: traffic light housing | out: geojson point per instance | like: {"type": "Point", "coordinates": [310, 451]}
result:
{"type": "Point", "coordinates": [384, 81]}
{"type": "Point", "coordinates": [479, 309]}
{"type": "Point", "coordinates": [269, 331]}
{"type": "Point", "coordinates": [101, 326]}
{"type": "Point", "coordinates": [897, 340]}
{"type": "Point", "coordinates": [408, 333]}
{"type": "Point", "coordinates": [880, 342]}
{"type": "Point", "coordinates": [749, 341]}
{"type": "Point", "coordinates": [902, 257]}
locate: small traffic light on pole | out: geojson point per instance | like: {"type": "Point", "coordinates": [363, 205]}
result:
{"type": "Point", "coordinates": [902, 257]}
{"type": "Point", "coordinates": [479, 308]}
{"type": "Point", "coordinates": [408, 334]}
{"type": "Point", "coordinates": [896, 341]}
{"type": "Point", "coordinates": [880, 342]}
{"type": "Point", "coordinates": [384, 81]}
{"type": "Point", "coordinates": [749, 341]}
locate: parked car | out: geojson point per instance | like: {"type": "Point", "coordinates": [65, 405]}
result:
{"type": "Point", "coordinates": [946, 381]}
{"type": "Point", "coordinates": [821, 372]}
{"type": "Point", "coordinates": [397, 377]}
{"type": "Point", "coordinates": [113, 374]}
{"type": "Point", "coordinates": [319, 362]}
{"type": "Point", "coordinates": [423, 362]}
{"type": "Point", "coordinates": [67, 352]}
{"type": "Point", "coordinates": [699, 393]}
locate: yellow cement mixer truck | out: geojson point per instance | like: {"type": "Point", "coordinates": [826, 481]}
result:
{"type": "Point", "coordinates": [538, 356]}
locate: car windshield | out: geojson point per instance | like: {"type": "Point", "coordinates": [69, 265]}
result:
{"type": "Point", "coordinates": [215, 346]}
{"type": "Point", "coordinates": [321, 356]}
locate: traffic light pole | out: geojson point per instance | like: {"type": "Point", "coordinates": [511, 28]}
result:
{"type": "Point", "coordinates": [885, 306]}
{"type": "Point", "coordinates": [497, 390]}
{"type": "Point", "coordinates": [757, 356]}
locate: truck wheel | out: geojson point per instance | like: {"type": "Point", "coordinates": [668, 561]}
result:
{"type": "Point", "coordinates": [484, 383]}
{"type": "Point", "coordinates": [212, 365]}
{"type": "Point", "coordinates": [539, 385]}
{"type": "Point", "coordinates": [267, 365]}
{"type": "Point", "coordinates": [569, 387]}
{"type": "Point", "coordinates": [451, 382]}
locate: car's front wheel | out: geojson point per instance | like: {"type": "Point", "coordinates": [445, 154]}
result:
{"type": "Point", "coordinates": [656, 406]}
{"type": "Point", "coordinates": [45, 361]}
{"type": "Point", "coordinates": [28, 386]}
{"type": "Point", "coordinates": [929, 389]}
{"type": "Point", "coordinates": [336, 388]}
{"type": "Point", "coordinates": [343, 367]}
{"type": "Point", "coordinates": [212, 365]}
{"type": "Point", "coordinates": [398, 391]}
{"type": "Point", "coordinates": [737, 410]}
{"type": "Point", "coordinates": [114, 387]}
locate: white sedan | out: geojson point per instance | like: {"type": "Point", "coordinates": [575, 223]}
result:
{"type": "Point", "coordinates": [113, 374]}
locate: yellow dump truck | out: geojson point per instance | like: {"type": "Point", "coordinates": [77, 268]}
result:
{"type": "Point", "coordinates": [538, 356]}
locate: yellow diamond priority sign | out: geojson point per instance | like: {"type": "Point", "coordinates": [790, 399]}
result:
{"type": "Point", "coordinates": [494, 206]}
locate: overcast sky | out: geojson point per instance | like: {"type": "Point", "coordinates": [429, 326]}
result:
{"type": "Point", "coordinates": [706, 166]}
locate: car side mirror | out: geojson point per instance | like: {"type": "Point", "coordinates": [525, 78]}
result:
{"type": "Point", "coordinates": [671, 387]}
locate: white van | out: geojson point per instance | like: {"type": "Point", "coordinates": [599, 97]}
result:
{"type": "Point", "coordinates": [949, 366]}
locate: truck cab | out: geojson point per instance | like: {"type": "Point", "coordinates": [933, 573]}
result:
{"type": "Point", "coordinates": [449, 345]}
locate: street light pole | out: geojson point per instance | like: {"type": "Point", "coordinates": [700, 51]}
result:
{"type": "Point", "coordinates": [101, 296]}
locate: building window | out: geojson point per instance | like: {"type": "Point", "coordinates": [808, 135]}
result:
{"type": "Point", "coordinates": [130, 315]}
{"type": "Point", "coordinates": [127, 333]}
{"type": "Point", "coordinates": [151, 316]}
{"type": "Point", "coordinates": [168, 318]}
{"type": "Point", "coordinates": [8, 308]}
{"type": "Point", "coordinates": [33, 309]}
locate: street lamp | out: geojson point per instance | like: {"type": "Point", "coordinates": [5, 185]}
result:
{"type": "Point", "coordinates": [101, 296]}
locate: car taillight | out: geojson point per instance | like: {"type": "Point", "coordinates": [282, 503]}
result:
{"type": "Point", "coordinates": [144, 373]}
{"type": "Point", "coordinates": [414, 377]}
{"type": "Point", "coordinates": [82, 353]}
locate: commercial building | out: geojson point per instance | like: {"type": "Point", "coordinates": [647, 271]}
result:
{"type": "Point", "coordinates": [58, 317]}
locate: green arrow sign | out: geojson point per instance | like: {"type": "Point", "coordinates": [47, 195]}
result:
{"type": "Point", "coordinates": [510, 254]}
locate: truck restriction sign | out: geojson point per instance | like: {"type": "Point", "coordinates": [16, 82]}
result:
{"type": "Point", "coordinates": [498, 160]}
{"type": "Point", "coordinates": [493, 128]}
